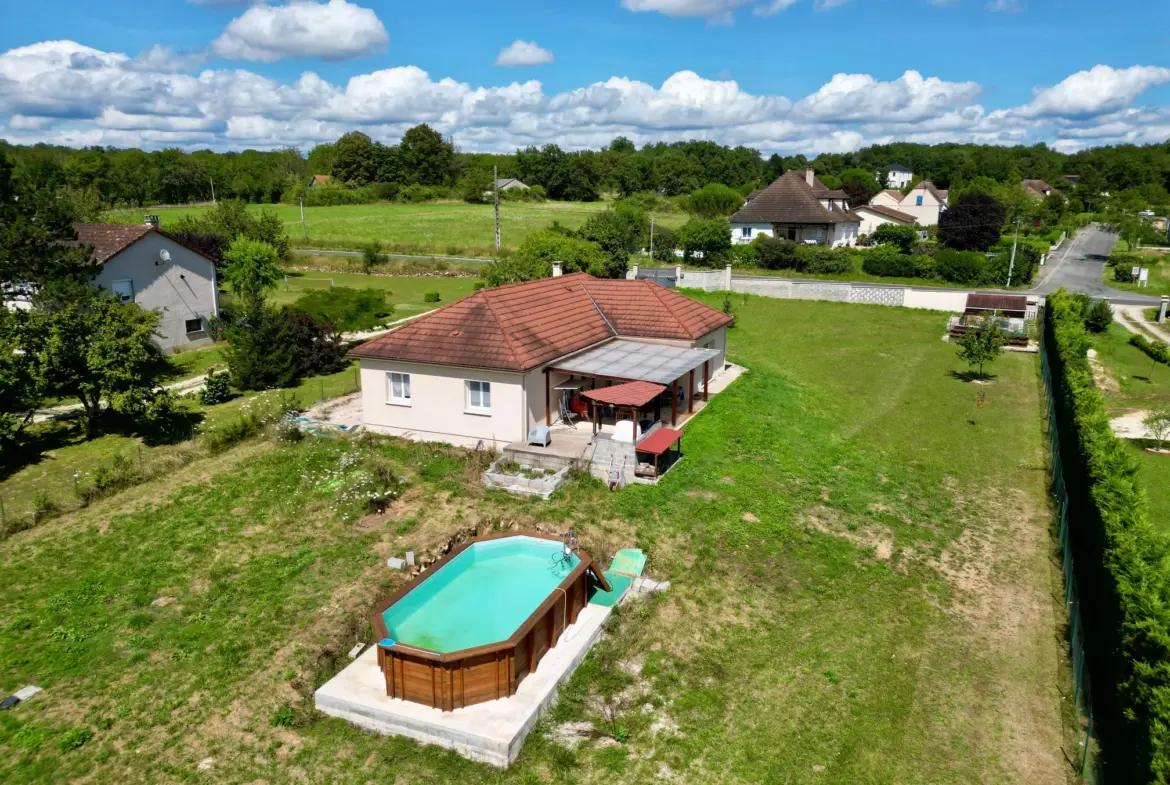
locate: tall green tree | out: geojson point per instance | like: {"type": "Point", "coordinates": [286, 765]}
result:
{"type": "Point", "coordinates": [427, 157]}
{"type": "Point", "coordinates": [354, 159]}
{"type": "Point", "coordinates": [34, 224]}
{"type": "Point", "coordinates": [974, 223]}
{"type": "Point", "coordinates": [714, 201]}
{"type": "Point", "coordinates": [251, 271]}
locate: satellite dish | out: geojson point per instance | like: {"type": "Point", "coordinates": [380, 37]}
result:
{"type": "Point", "coordinates": [164, 255]}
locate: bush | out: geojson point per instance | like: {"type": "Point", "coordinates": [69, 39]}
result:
{"type": "Point", "coordinates": [534, 258]}
{"type": "Point", "coordinates": [371, 256]}
{"type": "Point", "coordinates": [747, 255]}
{"type": "Point", "coordinates": [962, 266]}
{"type": "Point", "coordinates": [1156, 350]}
{"type": "Point", "coordinates": [901, 237]}
{"type": "Point", "coordinates": [708, 237]}
{"type": "Point", "coordinates": [665, 244]}
{"type": "Point", "coordinates": [1099, 317]}
{"type": "Point", "coordinates": [775, 254]}
{"type": "Point", "coordinates": [714, 200]}
{"type": "Point", "coordinates": [216, 389]}
{"type": "Point", "coordinates": [431, 297]}
{"type": "Point", "coordinates": [822, 260]}
{"type": "Point", "coordinates": [347, 309]}
{"type": "Point", "coordinates": [1123, 274]}
{"type": "Point", "coordinates": [885, 261]}
{"type": "Point", "coordinates": [1120, 562]}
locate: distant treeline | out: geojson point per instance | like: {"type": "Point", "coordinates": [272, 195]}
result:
{"type": "Point", "coordinates": [424, 158]}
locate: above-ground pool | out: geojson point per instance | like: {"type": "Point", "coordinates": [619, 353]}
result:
{"type": "Point", "coordinates": [471, 628]}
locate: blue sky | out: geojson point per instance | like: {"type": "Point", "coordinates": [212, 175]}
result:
{"type": "Point", "coordinates": [782, 75]}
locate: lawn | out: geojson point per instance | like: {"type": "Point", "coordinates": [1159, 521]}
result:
{"type": "Point", "coordinates": [1154, 472]}
{"type": "Point", "coordinates": [404, 292]}
{"type": "Point", "coordinates": [1159, 281]}
{"type": "Point", "coordinates": [862, 591]}
{"type": "Point", "coordinates": [442, 228]}
{"type": "Point", "coordinates": [1132, 380]}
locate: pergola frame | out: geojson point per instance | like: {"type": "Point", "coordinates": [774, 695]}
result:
{"type": "Point", "coordinates": [622, 380]}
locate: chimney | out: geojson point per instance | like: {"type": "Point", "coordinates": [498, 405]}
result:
{"type": "Point", "coordinates": [809, 176]}
{"type": "Point", "coordinates": [152, 221]}
{"type": "Point", "coordinates": [558, 269]}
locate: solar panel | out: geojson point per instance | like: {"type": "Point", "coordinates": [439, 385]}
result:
{"type": "Point", "coordinates": [650, 362]}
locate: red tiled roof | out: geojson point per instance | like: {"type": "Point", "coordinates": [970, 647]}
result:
{"type": "Point", "coordinates": [322, 178]}
{"type": "Point", "coordinates": [525, 325]}
{"type": "Point", "coordinates": [109, 240]}
{"type": "Point", "coordinates": [659, 441]}
{"type": "Point", "coordinates": [628, 394]}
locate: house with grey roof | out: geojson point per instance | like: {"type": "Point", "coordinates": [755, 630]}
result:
{"type": "Point", "coordinates": [510, 184]}
{"type": "Point", "coordinates": [800, 208]}
{"type": "Point", "coordinates": [898, 176]}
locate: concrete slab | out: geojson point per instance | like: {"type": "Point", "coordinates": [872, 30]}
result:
{"type": "Point", "coordinates": [491, 732]}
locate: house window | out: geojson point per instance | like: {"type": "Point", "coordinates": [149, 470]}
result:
{"type": "Point", "coordinates": [195, 325]}
{"type": "Point", "coordinates": [399, 388]}
{"type": "Point", "coordinates": [918, 201]}
{"type": "Point", "coordinates": [123, 290]}
{"type": "Point", "coordinates": [479, 397]}
{"type": "Point", "coordinates": [746, 231]}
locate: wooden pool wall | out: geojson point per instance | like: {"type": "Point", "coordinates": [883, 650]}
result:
{"type": "Point", "coordinates": [452, 680]}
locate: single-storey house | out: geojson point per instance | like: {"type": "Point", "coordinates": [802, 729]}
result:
{"type": "Point", "coordinates": [142, 264]}
{"type": "Point", "coordinates": [874, 215]}
{"type": "Point", "coordinates": [800, 208]}
{"type": "Point", "coordinates": [320, 179]}
{"type": "Point", "coordinates": [490, 368]}
{"type": "Point", "coordinates": [925, 202]}
{"type": "Point", "coordinates": [510, 184]}
{"type": "Point", "coordinates": [898, 176]}
{"type": "Point", "coordinates": [1036, 188]}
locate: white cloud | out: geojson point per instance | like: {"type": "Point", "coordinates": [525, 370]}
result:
{"type": "Point", "coordinates": [1100, 89]}
{"type": "Point", "coordinates": [335, 30]}
{"type": "Point", "coordinates": [66, 93]}
{"type": "Point", "coordinates": [774, 7]}
{"type": "Point", "coordinates": [718, 11]}
{"type": "Point", "coordinates": [164, 59]}
{"type": "Point", "coordinates": [1004, 6]}
{"type": "Point", "coordinates": [524, 53]}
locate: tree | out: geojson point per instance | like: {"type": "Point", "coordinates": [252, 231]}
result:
{"type": "Point", "coordinates": [1157, 422]}
{"type": "Point", "coordinates": [97, 350]}
{"type": "Point", "coordinates": [251, 270]}
{"type": "Point", "coordinates": [982, 342]}
{"type": "Point", "coordinates": [859, 186]}
{"type": "Point", "coordinates": [22, 377]}
{"type": "Point", "coordinates": [33, 226]}
{"type": "Point", "coordinates": [710, 237]}
{"type": "Point", "coordinates": [619, 231]}
{"type": "Point", "coordinates": [371, 256]}
{"type": "Point", "coordinates": [714, 200]}
{"type": "Point", "coordinates": [427, 158]}
{"type": "Point", "coordinates": [476, 186]}
{"type": "Point", "coordinates": [898, 235]}
{"type": "Point", "coordinates": [261, 353]}
{"type": "Point", "coordinates": [354, 159]}
{"type": "Point", "coordinates": [974, 223]}
{"type": "Point", "coordinates": [1099, 316]}
{"type": "Point", "coordinates": [534, 258]}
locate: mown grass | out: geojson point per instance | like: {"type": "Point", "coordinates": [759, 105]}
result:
{"type": "Point", "coordinates": [440, 228]}
{"type": "Point", "coordinates": [405, 293]}
{"type": "Point", "coordinates": [1158, 263]}
{"type": "Point", "coordinates": [862, 591]}
{"type": "Point", "coordinates": [1154, 472]}
{"type": "Point", "coordinates": [1140, 382]}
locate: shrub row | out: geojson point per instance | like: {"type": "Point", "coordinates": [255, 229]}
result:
{"type": "Point", "coordinates": [1122, 564]}
{"type": "Point", "coordinates": [1157, 350]}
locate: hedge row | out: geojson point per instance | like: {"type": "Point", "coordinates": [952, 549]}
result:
{"type": "Point", "coordinates": [1122, 563]}
{"type": "Point", "coordinates": [1155, 349]}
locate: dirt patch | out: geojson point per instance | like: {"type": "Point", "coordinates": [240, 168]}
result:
{"type": "Point", "coordinates": [750, 518]}
{"type": "Point", "coordinates": [1105, 381]}
{"type": "Point", "coordinates": [872, 536]}
{"type": "Point", "coordinates": [708, 495]}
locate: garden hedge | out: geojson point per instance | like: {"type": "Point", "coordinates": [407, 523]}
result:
{"type": "Point", "coordinates": [1122, 563]}
{"type": "Point", "coordinates": [1157, 350]}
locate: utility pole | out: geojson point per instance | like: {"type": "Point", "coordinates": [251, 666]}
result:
{"type": "Point", "coordinates": [1012, 261]}
{"type": "Point", "coordinates": [304, 229]}
{"type": "Point", "coordinates": [212, 179]}
{"type": "Point", "coordinates": [651, 237]}
{"type": "Point", "coordinates": [496, 199]}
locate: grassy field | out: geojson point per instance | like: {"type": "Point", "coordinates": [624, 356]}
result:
{"type": "Point", "coordinates": [862, 591]}
{"type": "Point", "coordinates": [1158, 263]}
{"type": "Point", "coordinates": [1131, 379]}
{"type": "Point", "coordinates": [405, 293]}
{"type": "Point", "coordinates": [441, 228]}
{"type": "Point", "coordinates": [1154, 471]}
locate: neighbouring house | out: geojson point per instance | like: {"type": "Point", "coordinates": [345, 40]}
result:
{"type": "Point", "coordinates": [1071, 179]}
{"type": "Point", "coordinates": [898, 176]}
{"type": "Point", "coordinates": [320, 179]}
{"type": "Point", "coordinates": [491, 367]}
{"type": "Point", "coordinates": [1036, 188]}
{"type": "Point", "coordinates": [510, 184]}
{"type": "Point", "coordinates": [140, 263]}
{"type": "Point", "coordinates": [800, 208]}
{"type": "Point", "coordinates": [874, 215]}
{"type": "Point", "coordinates": [924, 201]}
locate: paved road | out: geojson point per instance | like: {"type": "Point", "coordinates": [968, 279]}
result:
{"type": "Point", "coordinates": [1078, 267]}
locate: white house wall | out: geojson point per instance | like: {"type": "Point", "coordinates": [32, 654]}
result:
{"type": "Point", "coordinates": [438, 406]}
{"type": "Point", "coordinates": [181, 289]}
{"type": "Point", "coordinates": [753, 230]}
{"type": "Point", "coordinates": [870, 221]}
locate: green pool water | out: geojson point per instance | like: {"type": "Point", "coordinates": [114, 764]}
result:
{"type": "Point", "coordinates": [481, 596]}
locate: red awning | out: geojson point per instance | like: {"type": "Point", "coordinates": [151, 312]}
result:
{"type": "Point", "coordinates": [659, 441]}
{"type": "Point", "coordinates": [628, 394]}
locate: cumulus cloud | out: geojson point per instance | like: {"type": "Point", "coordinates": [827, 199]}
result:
{"type": "Point", "coordinates": [66, 93]}
{"type": "Point", "coordinates": [1100, 89]}
{"type": "Point", "coordinates": [774, 7]}
{"type": "Point", "coordinates": [164, 59]}
{"type": "Point", "coordinates": [336, 30]}
{"type": "Point", "coordinates": [719, 11]}
{"type": "Point", "coordinates": [520, 53]}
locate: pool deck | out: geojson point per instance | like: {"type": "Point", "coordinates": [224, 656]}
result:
{"type": "Point", "coordinates": [491, 732]}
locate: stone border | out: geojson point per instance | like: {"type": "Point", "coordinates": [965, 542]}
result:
{"type": "Point", "coordinates": [542, 486]}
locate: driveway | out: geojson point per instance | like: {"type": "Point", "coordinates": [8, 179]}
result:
{"type": "Point", "coordinates": [1078, 267]}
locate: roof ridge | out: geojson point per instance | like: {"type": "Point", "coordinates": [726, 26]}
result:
{"type": "Point", "coordinates": [600, 310]}
{"type": "Point", "coordinates": [659, 295]}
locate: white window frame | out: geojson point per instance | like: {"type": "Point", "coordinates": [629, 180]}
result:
{"type": "Point", "coordinates": [745, 231]}
{"type": "Point", "coordinates": [471, 408]}
{"type": "Point", "coordinates": [404, 382]}
{"type": "Point", "coordinates": [121, 297]}
{"type": "Point", "coordinates": [198, 329]}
